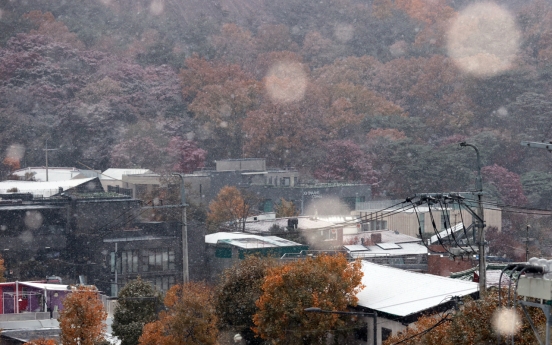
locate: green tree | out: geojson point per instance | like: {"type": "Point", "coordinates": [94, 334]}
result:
{"type": "Point", "coordinates": [82, 320]}
{"type": "Point", "coordinates": [327, 282]}
{"type": "Point", "coordinates": [137, 303]}
{"type": "Point", "coordinates": [237, 292]}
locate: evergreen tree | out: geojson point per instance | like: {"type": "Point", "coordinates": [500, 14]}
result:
{"type": "Point", "coordinates": [138, 301]}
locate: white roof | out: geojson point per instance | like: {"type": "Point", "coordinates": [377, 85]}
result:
{"type": "Point", "coordinates": [445, 233]}
{"type": "Point", "coordinates": [243, 240]}
{"type": "Point", "coordinates": [386, 236]}
{"type": "Point", "coordinates": [304, 223]}
{"type": "Point", "coordinates": [117, 174]}
{"type": "Point", "coordinates": [42, 286]}
{"type": "Point", "coordinates": [386, 249]}
{"type": "Point", "coordinates": [401, 293]}
{"type": "Point", "coordinates": [56, 174]}
{"type": "Point", "coordinates": [46, 189]}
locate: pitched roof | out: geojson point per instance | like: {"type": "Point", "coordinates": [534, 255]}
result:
{"type": "Point", "coordinates": [46, 189]}
{"type": "Point", "coordinates": [401, 293]}
{"type": "Point", "coordinates": [56, 173]}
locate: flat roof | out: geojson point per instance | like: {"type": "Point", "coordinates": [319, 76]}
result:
{"type": "Point", "coordinates": [248, 241]}
{"type": "Point", "coordinates": [46, 189]}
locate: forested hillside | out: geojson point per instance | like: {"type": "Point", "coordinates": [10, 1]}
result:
{"type": "Point", "coordinates": [377, 91]}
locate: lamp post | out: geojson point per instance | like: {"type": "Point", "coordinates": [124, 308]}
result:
{"type": "Point", "coordinates": [373, 315]}
{"type": "Point", "coordinates": [185, 271]}
{"type": "Point", "coordinates": [481, 224]}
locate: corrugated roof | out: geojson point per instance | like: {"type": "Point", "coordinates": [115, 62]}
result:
{"type": "Point", "coordinates": [243, 240]}
{"type": "Point", "coordinates": [46, 189]}
{"type": "Point", "coordinates": [401, 293]}
{"type": "Point", "coordinates": [117, 174]}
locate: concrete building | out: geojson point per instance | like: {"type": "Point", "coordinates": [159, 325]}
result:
{"type": "Point", "coordinates": [267, 186]}
{"type": "Point", "coordinates": [406, 219]}
{"type": "Point", "coordinates": [54, 173]}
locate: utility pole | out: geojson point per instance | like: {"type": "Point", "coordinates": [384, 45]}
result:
{"type": "Point", "coordinates": [185, 270]}
{"type": "Point", "coordinates": [46, 150]}
{"type": "Point", "coordinates": [480, 225]}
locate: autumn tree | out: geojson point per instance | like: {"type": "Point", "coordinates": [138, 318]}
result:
{"type": "Point", "coordinates": [190, 318]}
{"type": "Point", "coordinates": [2, 270]}
{"type": "Point", "coordinates": [285, 209]}
{"type": "Point", "coordinates": [82, 319]}
{"type": "Point", "coordinates": [327, 282]}
{"type": "Point", "coordinates": [41, 341]}
{"type": "Point", "coordinates": [187, 156]}
{"type": "Point", "coordinates": [507, 184]}
{"type": "Point", "coordinates": [230, 205]}
{"type": "Point", "coordinates": [345, 161]}
{"type": "Point", "coordinates": [472, 324]}
{"type": "Point", "coordinates": [137, 304]}
{"type": "Point", "coordinates": [238, 290]}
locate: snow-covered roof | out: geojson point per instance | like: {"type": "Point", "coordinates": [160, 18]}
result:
{"type": "Point", "coordinates": [386, 249]}
{"type": "Point", "coordinates": [56, 173]}
{"type": "Point", "coordinates": [117, 174]}
{"type": "Point", "coordinates": [248, 241]}
{"type": "Point", "coordinates": [49, 287]}
{"type": "Point", "coordinates": [447, 232]}
{"type": "Point", "coordinates": [401, 293]}
{"type": "Point", "coordinates": [46, 189]}
{"type": "Point", "coordinates": [386, 236]}
{"type": "Point", "coordinates": [304, 223]}
{"type": "Point", "coordinates": [492, 271]}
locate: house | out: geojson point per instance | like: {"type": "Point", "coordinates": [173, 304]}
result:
{"type": "Point", "coordinates": [224, 249]}
{"type": "Point", "coordinates": [399, 216]}
{"type": "Point", "coordinates": [49, 189]}
{"type": "Point", "coordinates": [54, 173]}
{"type": "Point", "coordinates": [32, 298]}
{"type": "Point", "coordinates": [409, 256]}
{"type": "Point", "coordinates": [400, 297]}
{"type": "Point", "coordinates": [113, 178]}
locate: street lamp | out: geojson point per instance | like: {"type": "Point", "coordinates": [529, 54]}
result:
{"type": "Point", "coordinates": [374, 315]}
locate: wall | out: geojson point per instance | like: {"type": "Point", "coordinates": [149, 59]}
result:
{"type": "Point", "coordinates": [253, 164]}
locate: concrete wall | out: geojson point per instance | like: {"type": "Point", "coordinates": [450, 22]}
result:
{"type": "Point", "coordinates": [252, 164]}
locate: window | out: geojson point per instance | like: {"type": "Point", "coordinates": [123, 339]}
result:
{"type": "Point", "coordinates": [124, 262]}
{"type": "Point", "coordinates": [163, 283]}
{"type": "Point", "coordinates": [286, 181]}
{"type": "Point", "coordinates": [154, 260]}
{"type": "Point", "coordinates": [422, 221]}
{"type": "Point", "coordinates": [385, 333]}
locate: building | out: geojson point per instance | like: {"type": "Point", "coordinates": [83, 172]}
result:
{"type": "Point", "coordinates": [54, 173]}
{"type": "Point", "coordinates": [382, 215]}
{"type": "Point", "coordinates": [224, 249]}
{"type": "Point", "coordinates": [400, 297]}
{"type": "Point", "coordinates": [77, 231]}
{"type": "Point", "coordinates": [267, 186]}
{"type": "Point", "coordinates": [408, 256]}
{"type": "Point", "coordinates": [114, 178]}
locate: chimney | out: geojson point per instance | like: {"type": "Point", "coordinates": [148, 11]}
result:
{"type": "Point", "coordinates": [376, 238]}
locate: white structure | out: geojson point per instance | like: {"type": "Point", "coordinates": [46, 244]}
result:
{"type": "Point", "coordinates": [400, 297]}
{"type": "Point", "coordinates": [46, 189]}
{"type": "Point", "coordinates": [114, 177]}
{"type": "Point", "coordinates": [55, 173]}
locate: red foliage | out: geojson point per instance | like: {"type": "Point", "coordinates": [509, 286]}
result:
{"type": "Point", "coordinates": [188, 157]}
{"type": "Point", "coordinates": [507, 183]}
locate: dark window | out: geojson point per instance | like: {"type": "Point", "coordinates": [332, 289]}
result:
{"type": "Point", "coordinates": [157, 260]}
{"type": "Point", "coordinates": [385, 333]}
{"type": "Point", "coordinates": [125, 261]}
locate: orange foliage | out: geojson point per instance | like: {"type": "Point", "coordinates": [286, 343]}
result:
{"type": "Point", "coordinates": [41, 341]}
{"type": "Point", "coordinates": [200, 73]}
{"type": "Point", "coordinates": [327, 282]}
{"type": "Point", "coordinates": [2, 270]}
{"type": "Point", "coordinates": [190, 319]}
{"type": "Point", "coordinates": [12, 163]}
{"type": "Point", "coordinates": [234, 44]}
{"type": "Point", "coordinates": [229, 205]}
{"type": "Point", "coordinates": [82, 319]}
{"type": "Point", "coordinates": [48, 26]}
